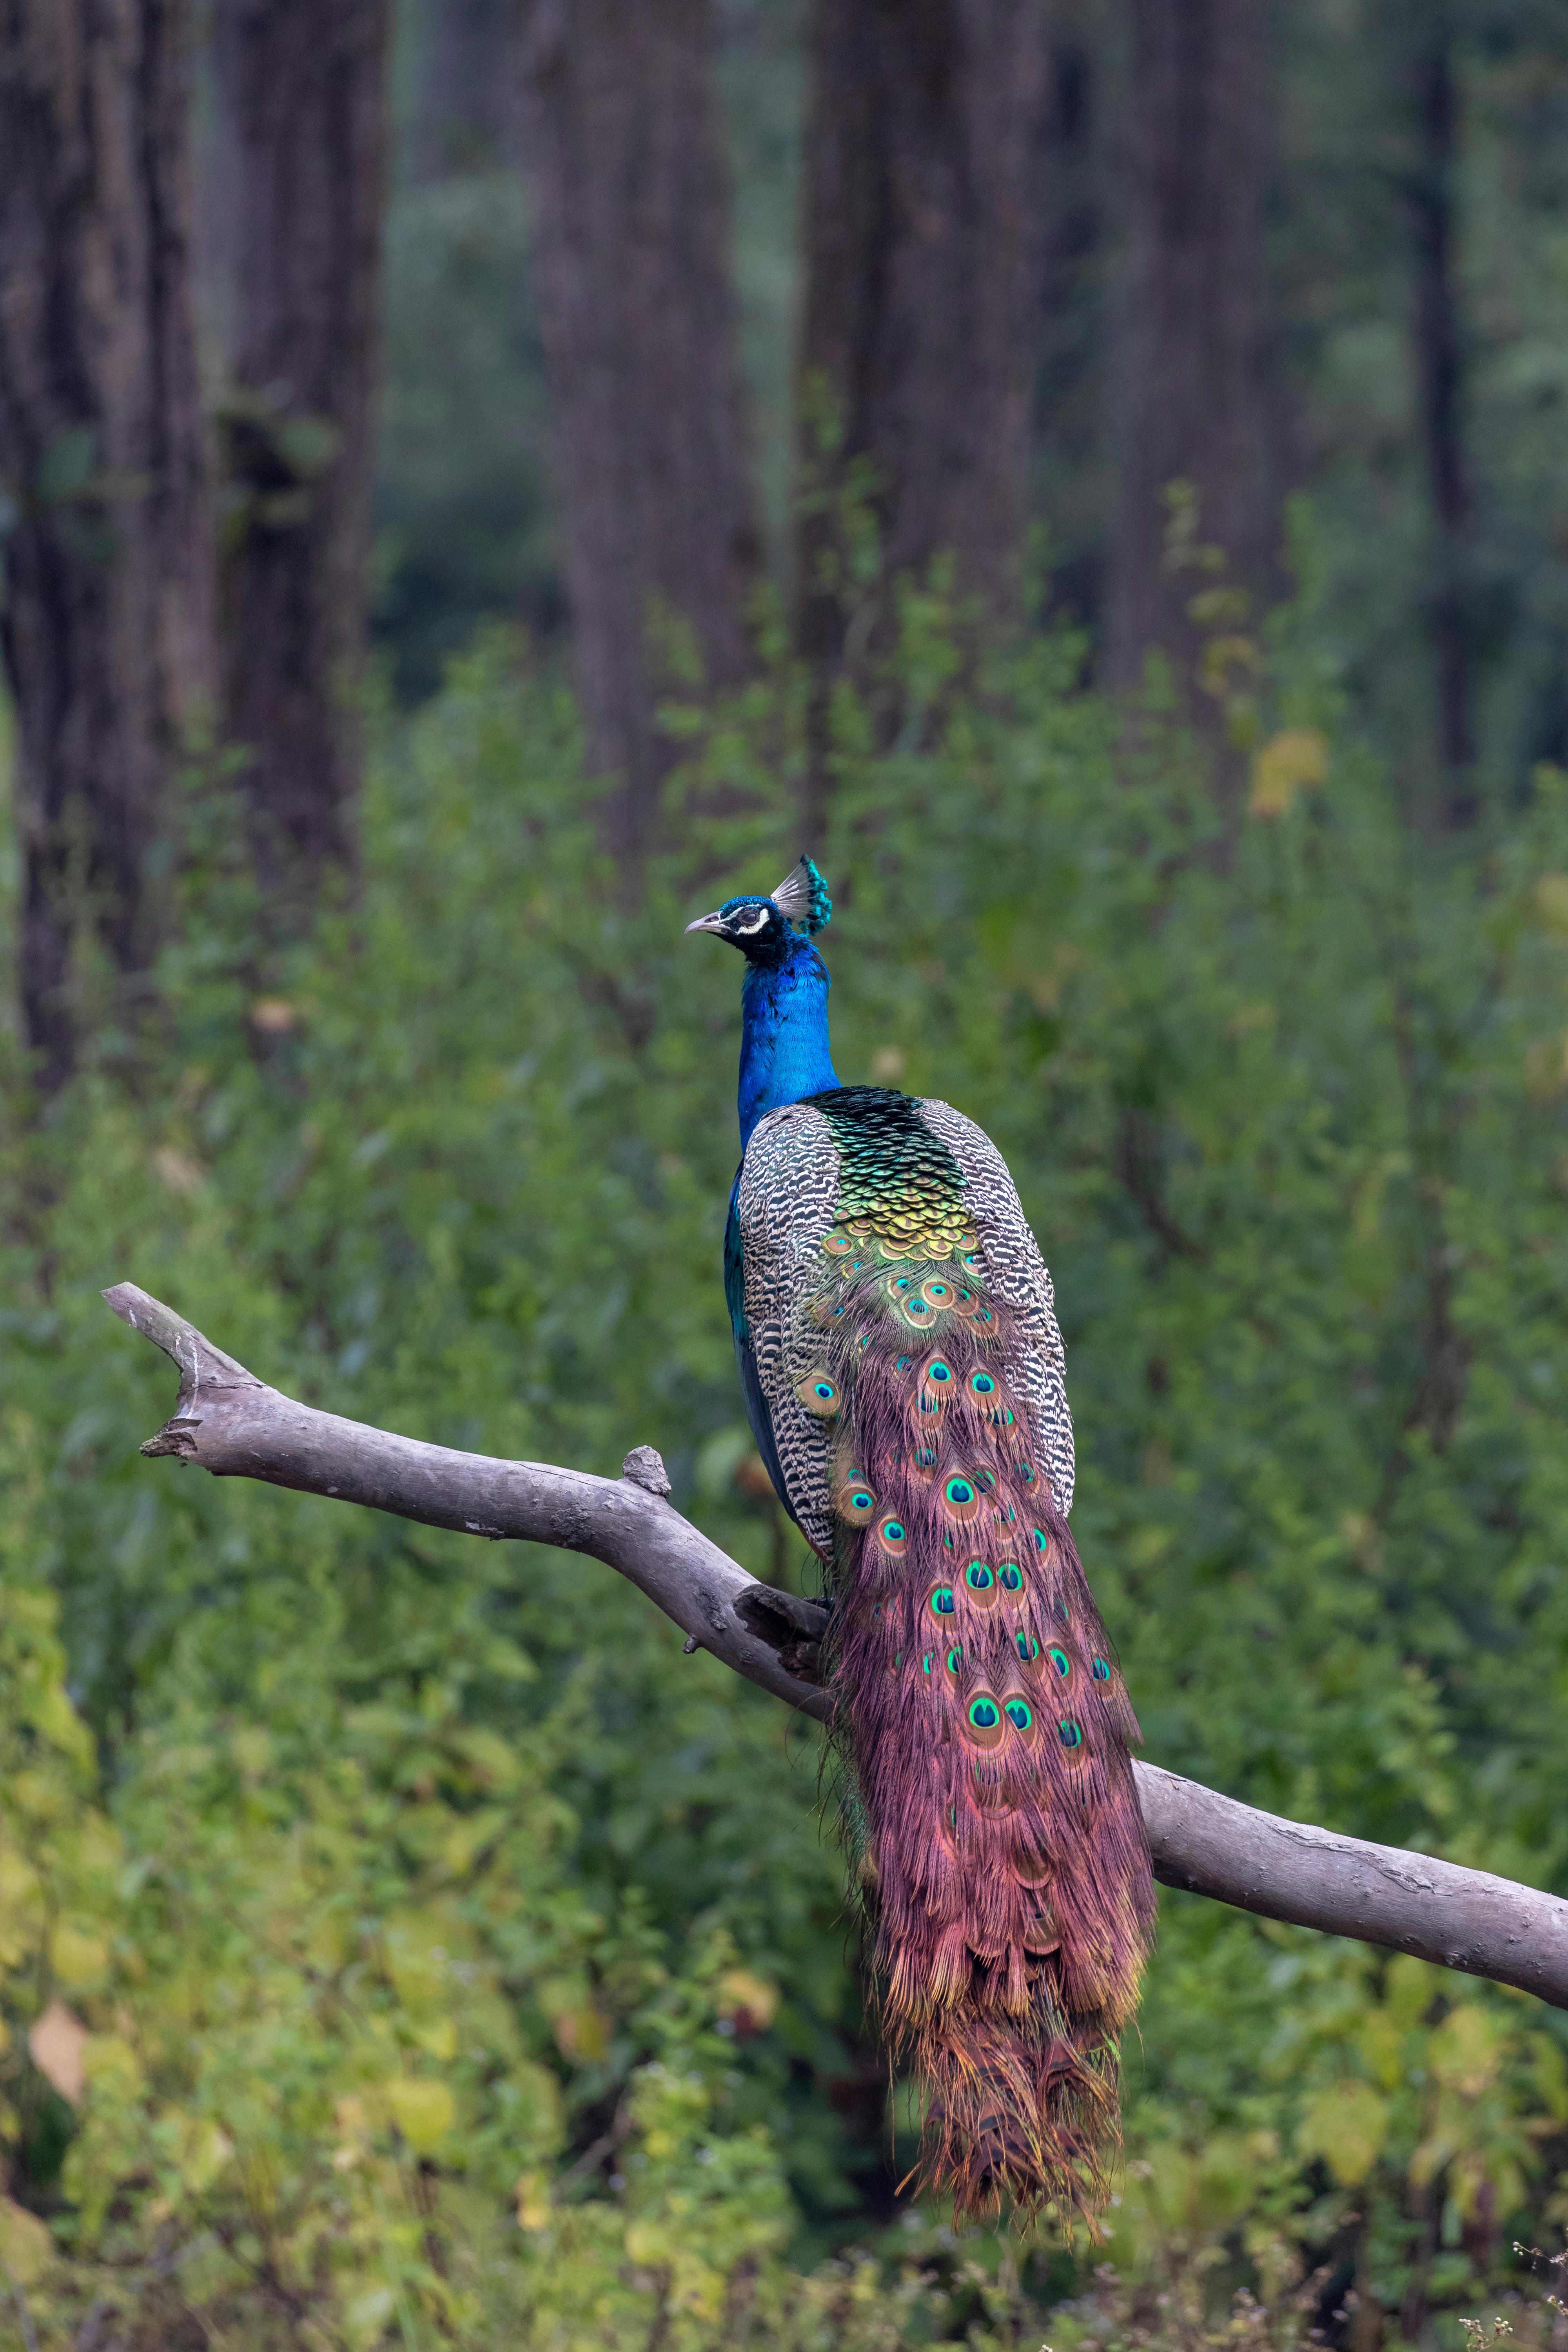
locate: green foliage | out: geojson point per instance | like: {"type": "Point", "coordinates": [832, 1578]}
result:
{"type": "Point", "coordinates": [401, 1941]}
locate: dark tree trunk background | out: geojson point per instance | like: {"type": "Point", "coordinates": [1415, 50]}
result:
{"type": "Point", "coordinates": [467, 107]}
{"type": "Point", "coordinates": [303, 92]}
{"type": "Point", "coordinates": [1194, 405]}
{"type": "Point", "coordinates": [922, 216]}
{"type": "Point", "coordinates": [1439, 393]}
{"type": "Point", "coordinates": [107, 616]}
{"type": "Point", "coordinates": [632, 211]}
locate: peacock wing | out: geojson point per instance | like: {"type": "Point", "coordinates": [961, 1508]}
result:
{"type": "Point", "coordinates": [785, 1198]}
{"type": "Point", "coordinates": [1035, 1359]}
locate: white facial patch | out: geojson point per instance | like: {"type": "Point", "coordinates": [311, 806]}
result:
{"type": "Point", "coordinates": [747, 924]}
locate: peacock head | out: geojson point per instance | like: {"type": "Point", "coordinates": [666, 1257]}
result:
{"type": "Point", "coordinates": [764, 929]}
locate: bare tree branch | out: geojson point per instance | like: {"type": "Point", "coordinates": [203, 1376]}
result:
{"type": "Point", "coordinates": [228, 1422]}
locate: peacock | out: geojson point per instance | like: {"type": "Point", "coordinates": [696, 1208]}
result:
{"type": "Point", "coordinates": [902, 1369]}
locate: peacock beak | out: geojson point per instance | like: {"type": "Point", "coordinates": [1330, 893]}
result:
{"type": "Point", "coordinates": [708, 923]}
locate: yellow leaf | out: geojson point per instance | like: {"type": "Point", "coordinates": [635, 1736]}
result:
{"type": "Point", "coordinates": [750, 2000]}
{"type": "Point", "coordinates": [439, 2037]}
{"type": "Point", "coordinates": [205, 2149]}
{"type": "Point", "coordinates": [1295, 757]}
{"type": "Point", "coordinates": [52, 1714]}
{"type": "Point", "coordinates": [18, 1888]}
{"type": "Point", "coordinates": [1346, 2126]}
{"type": "Point", "coordinates": [27, 2248]}
{"type": "Point", "coordinates": [425, 2111]}
{"type": "Point", "coordinates": [1381, 2046]}
{"type": "Point", "coordinates": [582, 2033]}
{"type": "Point", "coordinates": [113, 2066]}
{"type": "Point", "coordinates": [647, 2242]}
{"type": "Point", "coordinates": [78, 1957]}
{"type": "Point", "coordinates": [252, 1747]}
{"type": "Point", "coordinates": [1465, 2049]}
{"type": "Point", "coordinates": [56, 2043]}
{"type": "Point", "coordinates": [1552, 899]}
{"type": "Point", "coordinates": [533, 2201]}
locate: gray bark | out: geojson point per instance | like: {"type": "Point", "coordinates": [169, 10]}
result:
{"type": "Point", "coordinates": [304, 92]}
{"type": "Point", "coordinates": [631, 212]}
{"type": "Point", "coordinates": [1193, 386]}
{"type": "Point", "coordinates": [106, 572]}
{"type": "Point", "coordinates": [228, 1422]}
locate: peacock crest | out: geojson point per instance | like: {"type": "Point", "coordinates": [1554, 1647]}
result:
{"type": "Point", "coordinates": [802, 897]}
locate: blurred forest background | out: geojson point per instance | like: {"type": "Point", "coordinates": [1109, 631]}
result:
{"type": "Point", "coordinates": [477, 481]}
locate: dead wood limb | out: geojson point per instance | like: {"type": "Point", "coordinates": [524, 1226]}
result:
{"type": "Point", "coordinates": [228, 1422]}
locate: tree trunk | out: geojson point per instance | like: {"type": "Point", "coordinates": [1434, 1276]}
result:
{"type": "Point", "coordinates": [466, 110]}
{"type": "Point", "coordinates": [1439, 384]}
{"type": "Point", "coordinates": [1192, 396]}
{"type": "Point", "coordinates": [923, 228]}
{"type": "Point", "coordinates": [106, 622]}
{"type": "Point", "coordinates": [305, 105]}
{"type": "Point", "coordinates": [632, 222]}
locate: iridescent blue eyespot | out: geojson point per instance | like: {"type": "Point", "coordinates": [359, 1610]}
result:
{"type": "Point", "coordinates": [1020, 1714]}
{"type": "Point", "coordinates": [1028, 1646]}
{"type": "Point", "coordinates": [1102, 1670]}
{"type": "Point", "coordinates": [937, 1371]}
{"type": "Point", "coordinates": [1069, 1733]}
{"type": "Point", "coordinates": [941, 1601]}
{"type": "Point", "coordinates": [982, 1383]}
{"type": "Point", "coordinates": [1012, 1575]}
{"type": "Point", "coordinates": [978, 1577]}
{"type": "Point", "coordinates": [982, 1714]}
{"type": "Point", "coordinates": [1062, 1663]}
{"type": "Point", "coordinates": [1042, 1541]}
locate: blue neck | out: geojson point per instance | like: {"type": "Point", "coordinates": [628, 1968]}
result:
{"type": "Point", "coordinates": [783, 1035]}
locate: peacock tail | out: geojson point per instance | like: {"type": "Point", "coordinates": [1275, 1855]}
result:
{"type": "Point", "coordinates": [898, 1323]}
